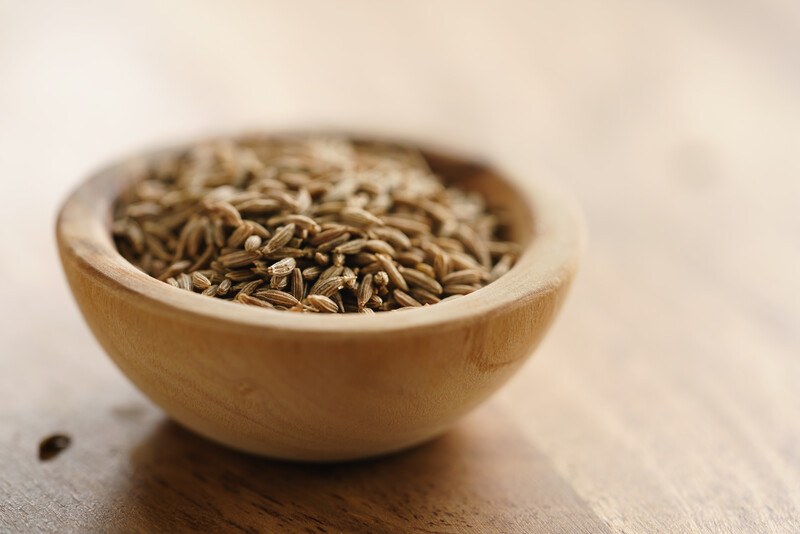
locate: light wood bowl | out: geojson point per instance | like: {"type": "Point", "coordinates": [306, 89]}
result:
{"type": "Point", "coordinates": [312, 386]}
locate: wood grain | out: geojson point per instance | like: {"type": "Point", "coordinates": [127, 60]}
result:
{"type": "Point", "coordinates": [665, 398]}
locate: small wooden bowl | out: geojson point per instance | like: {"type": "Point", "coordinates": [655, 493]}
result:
{"type": "Point", "coordinates": [312, 386]}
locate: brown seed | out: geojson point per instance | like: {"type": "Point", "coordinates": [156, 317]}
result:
{"type": "Point", "coordinates": [298, 284]}
{"type": "Point", "coordinates": [333, 243]}
{"type": "Point", "coordinates": [378, 245]}
{"type": "Point", "coordinates": [392, 236]}
{"type": "Point", "coordinates": [240, 235]}
{"type": "Point", "coordinates": [425, 297]}
{"type": "Point", "coordinates": [253, 243]}
{"type": "Point", "coordinates": [240, 258]}
{"type": "Point", "coordinates": [282, 267]}
{"type": "Point", "coordinates": [200, 281]}
{"type": "Point", "coordinates": [459, 289]}
{"type": "Point", "coordinates": [441, 264]}
{"type": "Point", "coordinates": [211, 291]}
{"type": "Point", "coordinates": [329, 286]}
{"type": "Point", "coordinates": [282, 236]}
{"type": "Point", "coordinates": [381, 279]}
{"type": "Point", "coordinates": [224, 287]}
{"type": "Point", "coordinates": [351, 247]}
{"type": "Point", "coordinates": [404, 299]}
{"type": "Point", "coordinates": [252, 301]}
{"type": "Point", "coordinates": [322, 303]}
{"type": "Point", "coordinates": [278, 298]}
{"type": "Point", "coordinates": [391, 270]}
{"type": "Point", "coordinates": [174, 269]}
{"type": "Point", "coordinates": [311, 273]}
{"type": "Point", "coordinates": [226, 212]}
{"type": "Point", "coordinates": [359, 217]}
{"type": "Point", "coordinates": [364, 291]}
{"type": "Point", "coordinates": [328, 234]}
{"type": "Point", "coordinates": [466, 276]}
{"type": "Point", "coordinates": [278, 282]}
{"type": "Point", "coordinates": [421, 280]}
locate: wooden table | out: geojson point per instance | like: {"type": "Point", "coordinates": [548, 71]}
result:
{"type": "Point", "coordinates": [665, 399]}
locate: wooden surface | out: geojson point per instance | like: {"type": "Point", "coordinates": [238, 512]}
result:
{"type": "Point", "coordinates": [665, 398]}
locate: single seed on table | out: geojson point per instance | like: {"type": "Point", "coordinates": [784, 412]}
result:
{"type": "Point", "coordinates": [323, 303]}
{"type": "Point", "coordinates": [404, 299]}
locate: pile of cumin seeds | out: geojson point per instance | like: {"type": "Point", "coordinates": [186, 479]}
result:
{"type": "Point", "coordinates": [309, 225]}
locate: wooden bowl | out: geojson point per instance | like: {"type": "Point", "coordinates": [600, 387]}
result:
{"type": "Point", "coordinates": [316, 386]}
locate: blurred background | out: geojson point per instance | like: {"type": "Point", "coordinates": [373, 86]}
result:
{"type": "Point", "coordinates": [675, 124]}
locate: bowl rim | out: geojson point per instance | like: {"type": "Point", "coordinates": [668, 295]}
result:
{"type": "Point", "coordinates": [547, 262]}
